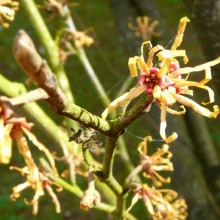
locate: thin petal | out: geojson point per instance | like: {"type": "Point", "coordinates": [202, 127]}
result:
{"type": "Point", "coordinates": [174, 112]}
{"type": "Point", "coordinates": [199, 85]}
{"type": "Point", "coordinates": [128, 96]}
{"type": "Point", "coordinates": [196, 107]}
{"type": "Point", "coordinates": [199, 68]}
{"type": "Point", "coordinates": [40, 146]}
{"type": "Point", "coordinates": [181, 30]}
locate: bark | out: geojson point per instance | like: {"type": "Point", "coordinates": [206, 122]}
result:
{"type": "Point", "coordinates": [205, 15]}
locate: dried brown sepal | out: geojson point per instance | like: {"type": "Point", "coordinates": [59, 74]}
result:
{"type": "Point", "coordinates": [91, 196]}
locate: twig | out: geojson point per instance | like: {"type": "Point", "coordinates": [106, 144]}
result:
{"type": "Point", "coordinates": [80, 52]}
{"type": "Point", "coordinates": [37, 69]}
{"type": "Point", "coordinates": [37, 115]}
{"type": "Point", "coordinates": [49, 44]}
{"type": "Point", "coordinates": [31, 96]}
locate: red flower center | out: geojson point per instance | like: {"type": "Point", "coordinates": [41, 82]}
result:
{"type": "Point", "coordinates": [164, 82]}
{"type": "Point", "coordinates": [149, 80]}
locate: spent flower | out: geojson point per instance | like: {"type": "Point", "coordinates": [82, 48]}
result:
{"type": "Point", "coordinates": [39, 183]}
{"type": "Point", "coordinates": [167, 82]}
{"type": "Point", "coordinates": [12, 126]}
{"type": "Point", "coordinates": [9, 121]}
{"type": "Point", "coordinates": [91, 196]}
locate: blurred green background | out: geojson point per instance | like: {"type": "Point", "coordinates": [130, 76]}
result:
{"type": "Point", "coordinates": [110, 62]}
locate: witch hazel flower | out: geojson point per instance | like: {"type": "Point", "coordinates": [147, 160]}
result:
{"type": "Point", "coordinates": [152, 198]}
{"type": "Point", "coordinates": [152, 165]}
{"type": "Point", "coordinates": [8, 122]}
{"type": "Point", "coordinates": [167, 82]}
{"type": "Point", "coordinates": [40, 183]}
{"type": "Point", "coordinates": [14, 127]}
{"type": "Point", "coordinates": [176, 211]}
{"type": "Point", "coordinates": [145, 28]}
{"type": "Point", "coordinates": [7, 11]}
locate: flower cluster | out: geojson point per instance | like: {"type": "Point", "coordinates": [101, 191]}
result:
{"type": "Point", "coordinates": [14, 127]}
{"type": "Point", "coordinates": [167, 82]}
{"type": "Point", "coordinates": [145, 28]}
{"type": "Point", "coordinates": [150, 165]}
{"type": "Point", "coordinates": [158, 161]}
{"type": "Point", "coordinates": [7, 11]}
{"type": "Point", "coordinates": [40, 183]}
{"type": "Point", "coordinates": [162, 204]}
{"type": "Point", "coordinates": [152, 198]}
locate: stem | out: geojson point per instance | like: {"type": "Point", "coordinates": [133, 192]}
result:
{"type": "Point", "coordinates": [29, 97]}
{"type": "Point", "coordinates": [108, 166]}
{"type": "Point", "coordinates": [86, 118]}
{"type": "Point", "coordinates": [112, 128]}
{"type": "Point", "coordinates": [120, 209]}
{"type": "Point", "coordinates": [86, 64]}
{"type": "Point", "coordinates": [37, 115]}
{"type": "Point", "coordinates": [124, 156]}
{"type": "Point", "coordinates": [74, 189]}
{"type": "Point", "coordinates": [104, 97]}
{"type": "Point", "coordinates": [109, 156]}
{"type": "Point", "coordinates": [49, 44]}
{"type": "Point", "coordinates": [142, 105]}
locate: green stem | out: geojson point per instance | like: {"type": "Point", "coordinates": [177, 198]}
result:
{"type": "Point", "coordinates": [124, 156]}
{"type": "Point", "coordinates": [74, 189]}
{"type": "Point", "coordinates": [108, 159]}
{"type": "Point", "coordinates": [120, 209]}
{"type": "Point", "coordinates": [107, 169]}
{"type": "Point", "coordinates": [104, 97]}
{"type": "Point", "coordinates": [37, 115]}
{"type": "Point", "coordinates": [141, 106]}
{"type": "Point", "coordinates": [112, 128]}
{"type": "Point", "coordinates": [49, 44]}
{"type": "Point", "coordinates": [84, 117]}
{"type": "Point", "coordinates": [86, 64]}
